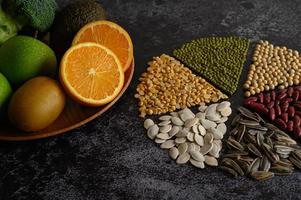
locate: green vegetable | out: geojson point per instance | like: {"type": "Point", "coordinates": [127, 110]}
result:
{"type": "Point", "coordinates": [218, 59]}
{"type": "Point", "coordinates": [14, 14]}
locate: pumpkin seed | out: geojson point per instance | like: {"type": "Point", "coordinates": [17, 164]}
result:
{"type": "Point", "coordinates": [148, 123]}
{"type": "Point", "coordinates": [183, 158]}
{"type": "Point", "coordinates": [211, 161]}
{"type": "Point", "coordinates": [152, 132]}
{"type": "Point", "coordinates": [165, 118]}
{"type": "Point", "coordinates": [183, 148]}
{"type": "Point", "coordinates": [177, 121]}
{"type": "Point", "coordinates": [164, 123]}
{"type": "Point", "coordinates": [206, 148]}
{"type": "Point", "coordinates": [173, 153]}
{"type": "Point", "coordinates": [199, 139]}
{"type": "Point", "coordinates": [180, 140]}
{"type": "Point", "coordinates": [197, 156]}
{"type": "Point", "coordinates": [191, 122]}
{"type": "Point", "coordinates": [163, 136]}
{"type": "Point", "coordinates": [197, 164]}
{"type": "Point", "coordinates": [167, 144]}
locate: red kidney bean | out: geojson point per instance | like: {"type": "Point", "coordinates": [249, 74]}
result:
{"type": "Point", "coordinates": [297, 131]}
{"type": "Point", "coordinates": [298, 113]}
{"type": "Point", "coordinates": [250, 100]}
{"type": "Point", "coordinates": [283, 91]}
{"type": "Point", "coordinates": [272, 114]}
{"type": "Point", "coordinates": [270, 105]}
{"type": "Point", "coordinates": [273, 95]}
{"type": "Point", "coordinates": [281, 96]}
{"type": "Point", "coordinates": [290, 126]}
{"type": "Point", "coordinates": [284, 107]}
{"type": "Point", "coordinates": [277, 102]}
{"type": "Point", "coordinates": [297, 120]}
{"type": "Point", "coordinates": [290, 91]}
{"type": "Point", "coordinates": [259, 108]}
{"type": "Point", "coordinates": [260, 98]}
{"type": "Point", "coordinates": [291, 112]}
{"type": "Point", "coordinates": [298, 88]}
{"type": "Point", "coordinates": [277, 110]}
{"type": "Point", "coordinates": [281, 123]}
{"type": "Point", "coordinates": [267, 98]}
{"type": "Point", "coordinates": [296, 95]}
{"type": "Point", "coordinates": [286, 100]}
{"type": "Point", "coordinates": [298, 105]}
{"type": "Point", "coordinates": [284, 117]}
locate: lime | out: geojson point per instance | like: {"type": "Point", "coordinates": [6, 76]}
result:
{"type": "Point", "coordinates": [5, 91]}
{"type": "Point", "coordinates": [23, 57]}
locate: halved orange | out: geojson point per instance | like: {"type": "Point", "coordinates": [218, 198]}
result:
{"type": "Point", "coordinates": [91, 74]}
{"type": "Point", "coordinates": [110, 35]}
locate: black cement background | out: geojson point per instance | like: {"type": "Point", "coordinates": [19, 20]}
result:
{"type": "Point", "coordinates": [110, 158]}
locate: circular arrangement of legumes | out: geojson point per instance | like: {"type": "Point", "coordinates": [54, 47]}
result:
{"type": "Point", "coordinates": [263, 141]}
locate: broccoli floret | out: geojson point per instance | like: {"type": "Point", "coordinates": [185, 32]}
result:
{"type": "Point", "coordinates": [15, 14]}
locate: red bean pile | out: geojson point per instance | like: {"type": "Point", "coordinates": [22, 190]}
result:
{"type": "Point", "coordinates": [283, 108]}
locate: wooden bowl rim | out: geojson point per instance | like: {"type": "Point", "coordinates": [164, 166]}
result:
{"type": "Point", "coordinates": [77, 125]}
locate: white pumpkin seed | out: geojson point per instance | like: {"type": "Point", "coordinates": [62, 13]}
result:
{"type": "Point", "coordinates": [214, 117]}
{"type": "Point", "coordinates": [226, 112]}
{"type": "Point", "coordinates": [197, 156]}
{"type": "Point", "coordinates": [163, 136]}
{"type": "Point", "coordinates": [182, 148]}
{"type": "Point", "coordinates": [186, 111]}
{"type": "Point", "coordinates": [197, 164]}
{"type": "Point", "coordinates": [199, 139]}
{"type": "Point", "coordinates": [191, 122]}
{"type": "Point", "coordinates": [167, 144]}
{"type": "Point", "coordinates": [203, 108]}
{"type": "Point", "coordinates": [211, 161]}
{"type": "Point", "coordinates": [214, 151]}
{"type": "Point", "coordinates": [216, 134]}
{"type": "Point", "coordinates": [222, 128]}
{"type": "Point", "coordinates": [195, 129]}
{"type": "Point", "coordinates": [190, 137]}
{"type": "Point", "coordinates": [186, 116]}
{"type": "Point", "coordinates": [164, 123]}
{"type": "Point", "coordinates": [177, 121]}
{"type": "Point", "coordinates": [165, 118]}
{"type": "Point", "coordinates": [196, 147]}
{"type": "Point", "coordinates": [206, 148]}
{"type": "Point", "coordinates": [183, 158]}
{"type": "Point", "coordinates": [201, 115]}
{"type": "Point", "coordinates": [211, 113]}
{"type": "Point", "coordinates": [159, 141]}
{"type": "Point", "coordinates": [165, 129]}
{"type": "Point", "coordinates": [153, 131]}
{"type": "Point", "coordinates": [191, 147]}
{"type": "Point", "coordinates": [222, 106]}
{"type": "Point", "coordinates": [148, 123]}
{"type": "Point", "coordinates": [207, 124]}
{"type": "Point", "coordinates": [222, 120]}
{"type": "Point", "coordinates": [174, 114]}
{"type": "Point", "coordinates": [182, 133]}
{"type": "Point", "coordinates": [174, 130]}
{"type": "Point", "coordinates": [173, 153]}
{"type": "Point", "coordinates": [180, 140]}
{"type": "Point", "coordinates": [208, 138]}
{"type": "Point", "coordinates": [202, 130]}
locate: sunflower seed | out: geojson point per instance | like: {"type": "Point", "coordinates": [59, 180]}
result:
{"type": "Point", "coordinates": [199, 139]}
{"type": "Point", "coordinates": [262, 175]}
{"type": "Point", "coordinates": [229, 170]}
{"type": "Point", "coordinates": [163, 136]}
{"type": "Point", "coordinates": [247, 113]}
{"type": "Point", "coordinates": [211, 161]}
{"type": "Point", "coordinates": [168, 144]}
{"type": "Point", "coordinates": [180, 140]}
{"type": "Point", "coordinates": [243, 165]}
{"type": "Point", "coordinates": [281, 170]}
{"type": "Point", "coordinates": [296, 162]}
{"type": "Point", "coordinates": [191, 122]}
{"type": "Point", "coordinates": [165, 118]}
{"type": "Point", "coordinates": [197, 164]}
{"type": "Point", "coordinates": [232, 164]}
{"type": "Point", "coordinates": [148, 123]}
{"type": "Point", "coordinates": [249, 123]}
{"type": "Point", "coordinates": [265, 164]}
{"type": "Point", "coordinates": [268, 151]}
{"type": "Point", "coordinates": [183, 148]}
{"type": "Point", "coordinates": [254, 167]}
{"type": "Point", "coordinates": [183, 158]}
{"type": "Point", "coordinates": [253, 149]}
{"type": "Point", "coordinates": [173, 153]}
{"type": "Point", "coordinates": [177, 121]}
{"type": "Point", "coordinates": [153, 131]}
{"type": "Point", "coordinates": [197, 156]}
{"type": "Point", "coordinates": [234, 144]}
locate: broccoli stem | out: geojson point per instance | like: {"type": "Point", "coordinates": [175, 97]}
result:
{"type": "Point", "coordinates": [8, 27]}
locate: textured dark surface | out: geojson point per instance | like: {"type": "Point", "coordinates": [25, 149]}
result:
{"type": "Point", "coordinates": [110, 158]}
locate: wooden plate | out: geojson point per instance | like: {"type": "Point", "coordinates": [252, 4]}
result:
{"type": "Point", "coordinates": [72, 117]}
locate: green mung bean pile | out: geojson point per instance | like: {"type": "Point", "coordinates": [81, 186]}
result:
{"type": "Point", "coordinates": [220, 60]}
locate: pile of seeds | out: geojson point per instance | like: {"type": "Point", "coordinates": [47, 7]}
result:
{"type": "Point", "coordinates": [259, 149]}
{"type": "Point", "coordinates": [192, 137]}
{"type": "Point", "coordinates": [283, 108]}
{"type": "Point", "coordinates": [272, 67]}
{"type": "Point", "coordinates": [218, 59]}
{"type": "Point", "coordinates": [168, 85]}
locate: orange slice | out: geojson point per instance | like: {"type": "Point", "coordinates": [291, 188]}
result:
{"type": "Point", "coordinates": [109, 35]}
{"type": "Point", "coordinates": [91, 74]}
